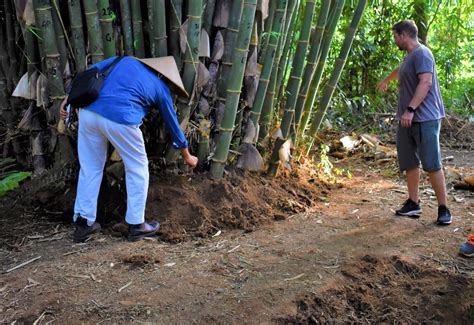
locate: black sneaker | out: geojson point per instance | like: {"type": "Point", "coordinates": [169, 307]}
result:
{"type": "Point", "coordinates": [135, 234]}
{"type": "Point", "coordinates": [409, 208]}
{"type": "Point", "coordinates": [83, 231]}
{"type": "Point", "coordinates": [444, 216]}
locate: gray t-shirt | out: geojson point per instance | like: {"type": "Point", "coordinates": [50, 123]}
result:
{"type": "Point", "coordinates": [419, 61]}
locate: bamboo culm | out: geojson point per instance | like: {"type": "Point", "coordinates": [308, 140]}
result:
{"type": "Point", "coordinates": [234, 88]}
{"type": "Point", "coordinates": [271, 51]}
{"type": "Point", "coordinates": [126, 18]}
{"type": "Point", "coordinates": [334, 17]}
{"type": "Point", "coordinates": [94, 32]}
{"type": "Point", "coordinates": [311, 63]}
{"type": "Point", "coordinates": [159, 28]}
{"type": "Point", "coordinates": [191, 61]}
{"type": "Point", "coordinates": [338, 67]}
{"type": "Point", "coordinates": [138, 41]}
{"type": "Point", "coordinates": [268, 104]}
{"type": "Point", "coordinates": [58, 28]}
{"type": "Point", "coordinates": [294, 83]}
{"type": "Point", "coordinates": [106, 16]}
{"type": "Point", "coordinates": [176, 7]}
{"type": "Point", "coordinates": [77, 34]}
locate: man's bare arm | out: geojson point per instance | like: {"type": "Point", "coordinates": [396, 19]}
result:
{"type": "Point", "coordinates": [425, 80]}
{"type": "Point", "coordinates": [383, 85]}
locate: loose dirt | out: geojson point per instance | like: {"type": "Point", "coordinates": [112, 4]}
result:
{"type": "Point", "coordinates": [246, 249]}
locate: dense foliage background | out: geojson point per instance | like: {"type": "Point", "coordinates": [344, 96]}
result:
{"type": "Point", "coordinates": [450, 26]}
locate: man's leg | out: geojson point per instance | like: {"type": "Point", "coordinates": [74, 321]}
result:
{"type": "Point", "coordinates": [439, 186]}
{"type": "Point", "coordinates": [413, 183]}
{"type": "Point", "coordinates": [430, 154]}
{"type": "Point", "coordinates": [92, 149]}
{"type": "Point", "coordinates": [409, 162]}
{"type": "Point", "coordinates": [128, 140]}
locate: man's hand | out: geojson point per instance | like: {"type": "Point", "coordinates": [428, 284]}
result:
{"type": "Point", "coordinates": [63, 114]}
{"type": "Point", "coordinates": [406, 120]}
{"type": "Point", "coordinates": [190, 160]}
{"type": "Point", "coordinates": [383, 85]}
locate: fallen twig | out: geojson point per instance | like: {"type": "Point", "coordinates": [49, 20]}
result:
{"type": "Point", "coordinates": [23, 264]}
{"type": "Point", "coordinates": [295, 278]}
{"type": "Point", "coordinates": [124, 287]}
{"type": "Point", "coordinates": [233, 249]}
{"type": "Point", "coordinates": [40, 318]}
{"type": "Point", "coordinates": [78, 276]}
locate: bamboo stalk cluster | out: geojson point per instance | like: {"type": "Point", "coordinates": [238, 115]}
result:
{"type": "Point", "coordinates": [234, 56]}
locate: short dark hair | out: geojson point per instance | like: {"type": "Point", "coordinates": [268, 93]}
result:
{"type": "Point", "coordinates": [407, 26]}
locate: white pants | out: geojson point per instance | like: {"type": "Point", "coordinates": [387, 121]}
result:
{"type": "Point", "coordinates": [94, 132]}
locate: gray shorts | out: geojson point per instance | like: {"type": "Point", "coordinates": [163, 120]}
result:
{"type": "Point", "coordinates": [418, 143]}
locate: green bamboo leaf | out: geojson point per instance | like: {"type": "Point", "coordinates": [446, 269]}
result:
{"type": "Point", "coordinates": [12, 181]}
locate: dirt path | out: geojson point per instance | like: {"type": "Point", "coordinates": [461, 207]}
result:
{"type": "Point", "coordinates": [348, 259]}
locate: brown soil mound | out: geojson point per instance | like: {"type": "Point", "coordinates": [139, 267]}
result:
{"type": "Point", "coordinates": [388, 290]}
{"type": "Point", "coordinates": [187, 206]}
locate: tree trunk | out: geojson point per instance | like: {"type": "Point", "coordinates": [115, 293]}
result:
{"type": "Point", "coordinates": [421, 19]}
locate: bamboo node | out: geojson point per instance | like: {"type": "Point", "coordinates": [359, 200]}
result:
{"type": "Point", "coordinates": [52, 56]}
{"type": "Point", "coordinates": [45, 8]}
{"type": "Point", "coordinates": [232, 30]}
{"type": "Point", "coordinates": [194, 17]}
{"type": "Point", "coordinates": [218, 161]}
{"type": "Point", "coordinates": [91, 13]}
{"type": "Point", "coordinates": [234, 91]}
{"type": "Point", "coordinates": [226, 129]}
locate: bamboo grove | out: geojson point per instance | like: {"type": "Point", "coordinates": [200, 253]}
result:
{"type": "Point", "coordinates": [254, 70]}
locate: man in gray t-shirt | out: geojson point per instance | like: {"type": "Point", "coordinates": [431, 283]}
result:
{"type": "Point", "coordinates": [419, 114]}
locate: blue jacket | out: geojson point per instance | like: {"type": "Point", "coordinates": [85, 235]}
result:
{"type": "Point", "coordinates": [129, 91]}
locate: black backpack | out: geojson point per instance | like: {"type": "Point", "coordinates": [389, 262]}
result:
{"type": "Point", "coordinates": [86, 85]}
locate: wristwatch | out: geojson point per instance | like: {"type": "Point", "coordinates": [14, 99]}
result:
{"type": "Point", "coordinates": [410, 109]}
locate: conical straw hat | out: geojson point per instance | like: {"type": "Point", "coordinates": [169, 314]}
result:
{"type": "Point", "coordinates": [166, 66]}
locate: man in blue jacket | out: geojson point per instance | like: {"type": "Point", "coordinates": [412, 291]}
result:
{"type": "Point", "coordinates": [128, 93]}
